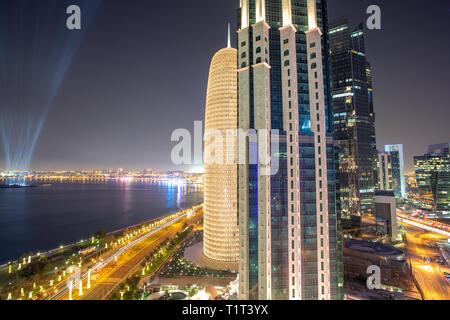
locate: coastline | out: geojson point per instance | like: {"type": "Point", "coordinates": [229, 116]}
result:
{"type": "Point", "coordinates": [65, 247]}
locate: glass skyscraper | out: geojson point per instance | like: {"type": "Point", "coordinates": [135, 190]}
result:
{"type": "Point", "coordinates": [290, 240]}
{"type": "Point", "coordinates": [398, 169]}
{"type": "Point", "coordinates": [433, 177]}
{"type": "Point", "coordinates": [384, 171]}
{"type": "Point", "coordinates": [354, 120]}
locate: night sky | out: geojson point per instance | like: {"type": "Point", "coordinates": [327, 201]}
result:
{"type": "Point", "coordinates": [141, 72]}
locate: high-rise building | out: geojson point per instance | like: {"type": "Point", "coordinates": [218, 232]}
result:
{"type": "Point", "coordinates": [433, 177]}
{"type": "Point", "coordinates": [354, 119]}
{"type": "Point", "coordinates": [289, 227]}
{"type": "Point", "coordinates": [221, 232]}
{"type": "Point", "coordinates": [398, 169]}
{"type": "Point", "coordinates": [386, 213]}
{"type": "Point", "coordinates": [384, 171]}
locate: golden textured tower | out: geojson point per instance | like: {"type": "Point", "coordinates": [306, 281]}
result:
{"type": "Point", "coordinates": [221, 231]}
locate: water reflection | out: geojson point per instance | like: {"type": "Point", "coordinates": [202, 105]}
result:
{"type": "Point", "coordinates": [54, 213]}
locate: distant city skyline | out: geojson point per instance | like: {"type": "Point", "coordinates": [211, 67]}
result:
{"type": "Point", "coordinates": [129, 87]}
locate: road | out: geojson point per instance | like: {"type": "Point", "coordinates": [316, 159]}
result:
{"type": "Point", "coordinates": [430, 275]}
{"type": "Point", "coordinates": [108, 273]}
{"type": "Point", "coordinates": [128, 263]}
{"type": "Point", "coordinates": [426, 224]}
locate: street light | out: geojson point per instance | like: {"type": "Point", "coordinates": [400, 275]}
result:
{"type": "Point", "coordinates": [70, 290]}
{"type": "Point", "coordinates": [80, 288]}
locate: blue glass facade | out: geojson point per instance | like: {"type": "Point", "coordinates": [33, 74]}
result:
{"type": "Point", "coordinates": [354, 120]}
{"type": "Point", "coordinates": [281, 225]}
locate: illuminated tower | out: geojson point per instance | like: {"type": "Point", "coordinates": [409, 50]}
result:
{"type": "Point", "coordinates": [384, 171]}
{"type": "Point", "coordinates": [398, 169]}
{"type": "Point", "coordinates": [433, 178]}
{"type": "Point", "coordinates": [290, 246]}
{"type": "Point", "coordinates": [354, 121]}
{"type": "Point", "coordinates": [221, 233]}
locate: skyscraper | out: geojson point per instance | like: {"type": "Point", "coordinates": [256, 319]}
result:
{"type": "Point", "coordinates": [288, 221]}
{"type": "Point", "coordinates": [354, 119]}
{"type": "Point", "coordinates": [386, 213]}
{"type": "Point", "coordinates": [221, 234]}
{"type": "Point", "coordinates": [398, 169]}
{"type": "Point", "coordinates": [433, 177]}
{"type": "Point", "coordinates": [384, 171]}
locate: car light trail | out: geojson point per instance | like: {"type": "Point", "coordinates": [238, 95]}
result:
{"type": "Point", "coordinates": [423, 226]}
{"type": "Point", "coordinates": [111, 257]}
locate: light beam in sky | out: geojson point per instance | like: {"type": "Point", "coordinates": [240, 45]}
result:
{"type": "Point", "coordinates": [36, 52]}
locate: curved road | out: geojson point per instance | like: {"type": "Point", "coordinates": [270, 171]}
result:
{"type": "Point", "coordinates": [109, 273]}
{"type": "Point", "coordinates": [430, 275]}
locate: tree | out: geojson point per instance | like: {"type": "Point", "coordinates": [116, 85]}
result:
{"type": "Point", "coordinates": [100, 234]}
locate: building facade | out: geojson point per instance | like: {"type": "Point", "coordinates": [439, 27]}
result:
{"type": "Point", "coordinates": [221, 233]}
{"type": "Point", "coordinates": [398, 169]}
{"type": "Point", "coordinates": [354, 119]}
{"type": "Point", "coordinates": [290, 246]}
{"type": "Point", "coordinates": [433, 177]}
{"type": "Point", "coordinates": [386, 214]}
{"type": "Point", "coordinates": [384, 171]}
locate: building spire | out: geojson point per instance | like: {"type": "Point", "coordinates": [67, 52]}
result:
{"type": "Point", "coordinates": [229, 36]}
